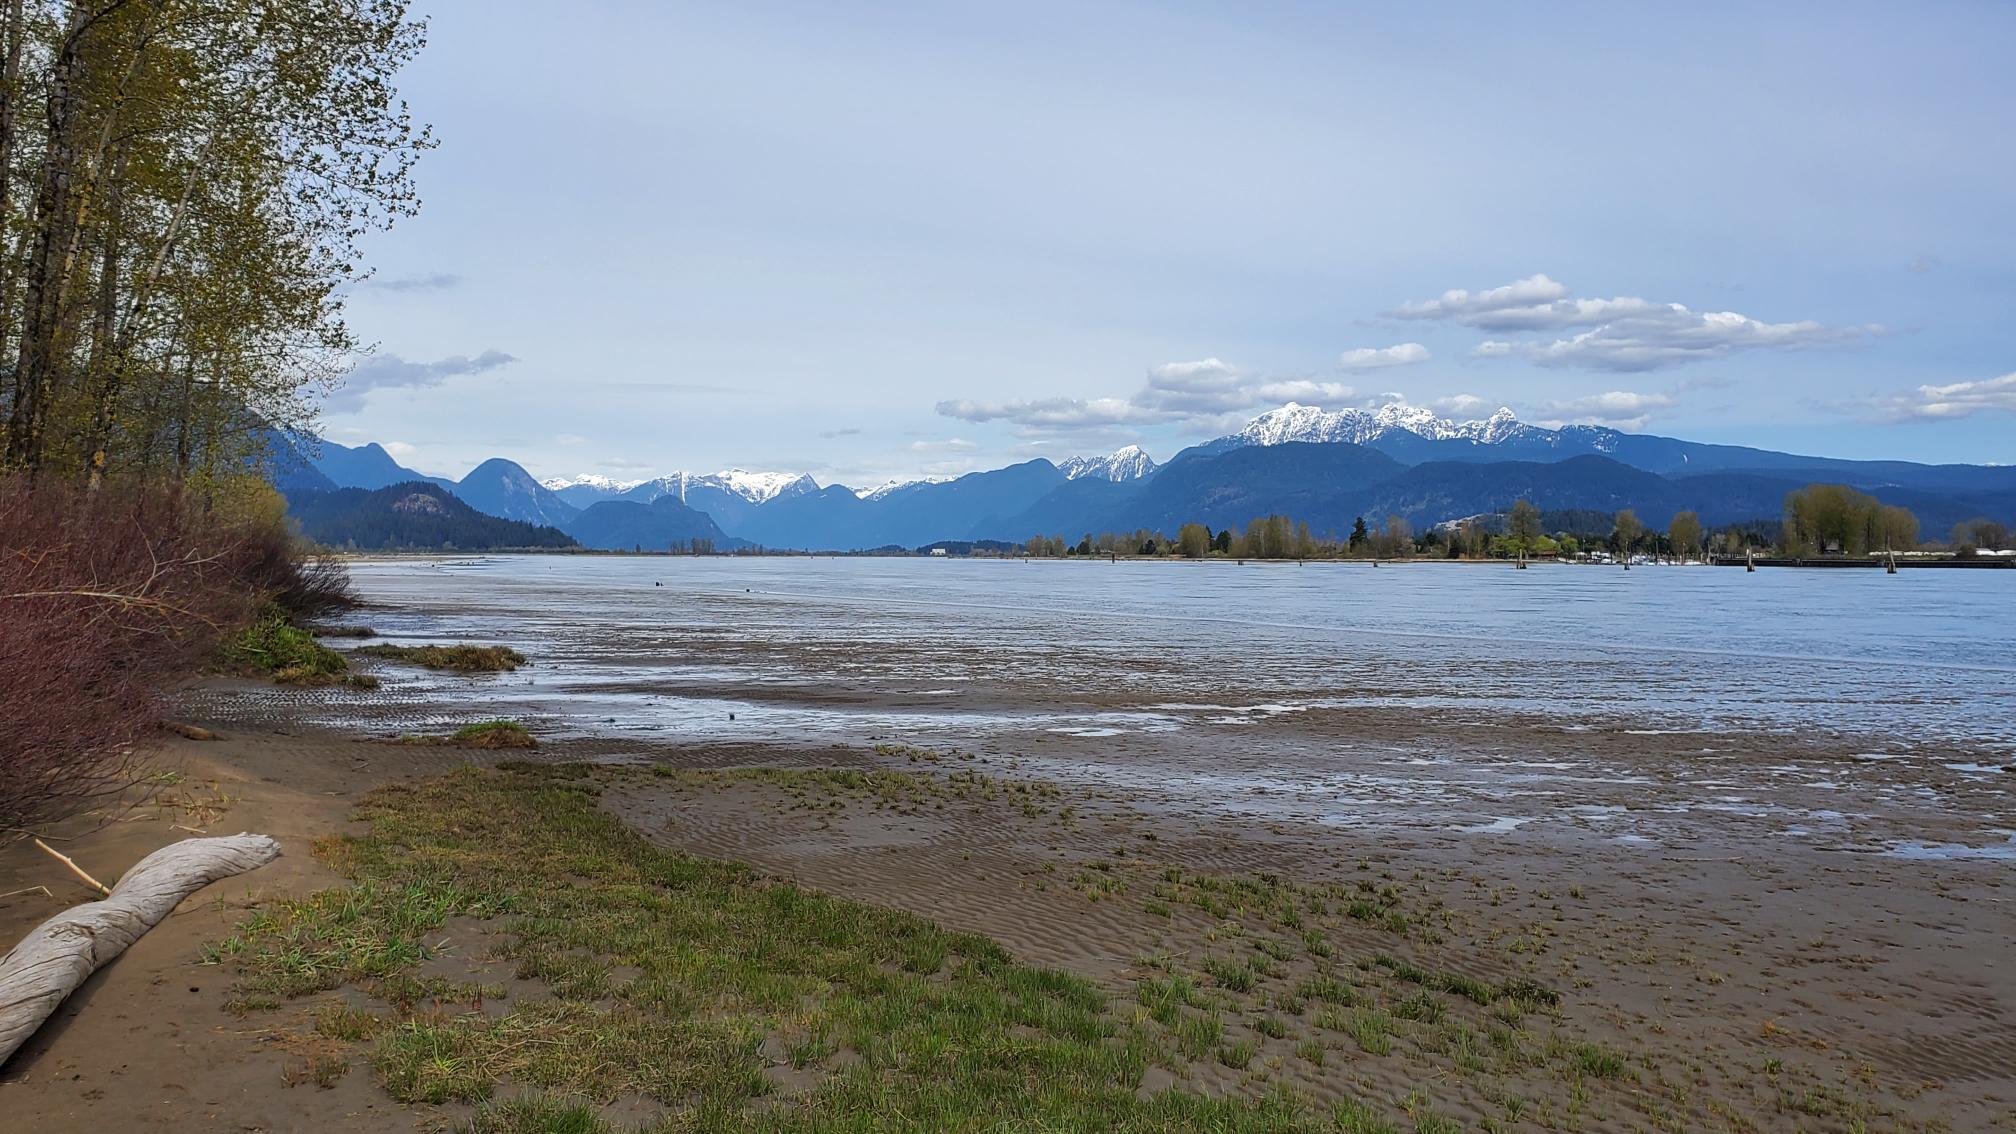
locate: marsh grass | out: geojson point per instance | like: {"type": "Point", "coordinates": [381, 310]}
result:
{"type": "Point", "coordinates": [274, 646]}
{"type": "Point", "coordinates": [462, 658]}
{"type": "Point", "coordinates": [668, 973]}
{"type": "Point", "coordinates": [482, 734]}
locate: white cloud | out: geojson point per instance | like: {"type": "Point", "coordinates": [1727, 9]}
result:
{"type": "Point", "coordinates": [1622, 409]}
{"type": "Point", "coordinates": [1051, 413]}
{"type": "Point", "coordinates": [389, 371]}
{"type": "Point", "coordinates": [1462, 305]}
{"type": "Point", "coordinates": [400, 450]}
{"type": "Point", "coordinates": [432, 281]}
{"type": "Point", "coordinates": [1671, 335]}
{"type": "Point", "coordinates": [1954, 400]}
{"type": "Point", "coordinates": [1305, 391]}
{"type": "Point", "coordinates": [948, 445]}
{"type": "Point", "coordinates": [1626, 334]}
{"type": "Point", "coordinates": [1184, 388]}
{"type": "Point", "coordinates": [1375, 358]}
{"type": "Point", "coordinates": [570, 439]}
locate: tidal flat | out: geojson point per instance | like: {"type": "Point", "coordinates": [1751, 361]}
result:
{"type": "Point", "coordinates": [1227, 871]}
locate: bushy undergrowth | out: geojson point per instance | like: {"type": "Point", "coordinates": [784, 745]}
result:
{"type": "Point", "coordinates": [106, 598]}
{"type": "Point", "coordinates": [275, 645]}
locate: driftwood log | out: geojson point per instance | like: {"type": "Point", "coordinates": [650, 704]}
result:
{"type": "Point", "coordinates": [64, 951]}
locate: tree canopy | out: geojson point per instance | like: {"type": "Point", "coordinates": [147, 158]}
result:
{"type": "Point", "coordinates": [183, 185]}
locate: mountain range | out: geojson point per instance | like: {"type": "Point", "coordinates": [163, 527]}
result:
{"type": "Point", "coordinates": [1323, 467]}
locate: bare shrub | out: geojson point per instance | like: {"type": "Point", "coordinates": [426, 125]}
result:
{"type": "Point", "coordinates": [106, 598]}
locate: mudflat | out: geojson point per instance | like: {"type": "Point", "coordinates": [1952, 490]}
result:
{"type": "Point", "coordinates": [1491, 977]}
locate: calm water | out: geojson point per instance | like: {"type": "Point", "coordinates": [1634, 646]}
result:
{"type": "Point", "coordinates": [803, 647]}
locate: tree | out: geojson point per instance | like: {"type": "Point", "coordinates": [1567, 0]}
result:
{"type": "Point", "coordinates": [1397, 539]}
{"type": "Point", "coordinates": [1523, 526]}
{"type": "Point", "coordinates": [1223, 544]}
{"type": "Point", "coordinates": [179, 224]}
{"type": "Point", "coordinates": [1360, 534]}
{"type": "Point", "coordinates": [1981, 533]}
{"type": "Point", "coordinates": [1827, 518]}
{"type": "Point", "coordinates": [1895, 529]}
{"type": "Point", "coordinates": [1625, 532]}
{"type": "Point", "coordinates": [1193, 541]}
{"type": "Point", "coordinates": [1685, 532]}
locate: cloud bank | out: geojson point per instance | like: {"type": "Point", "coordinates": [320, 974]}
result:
{"type": "Point", "coordinates": [391, 372]}
{"type": "Point", "coordinates": [1203, 394]}
{"type": "Point", "coordinates": [1625, 334]}
{"type": "Point", "coordinates": [1952, 401]}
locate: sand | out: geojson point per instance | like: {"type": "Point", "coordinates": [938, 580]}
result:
{"type": "Point", "coordinates": [1754, 981]}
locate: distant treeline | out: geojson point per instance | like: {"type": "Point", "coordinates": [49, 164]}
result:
{"type": "Point", "coordinates": [1820, 519]}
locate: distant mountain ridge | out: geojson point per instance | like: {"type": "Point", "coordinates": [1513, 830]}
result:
{"type": "Point", "coordinates": [1324, 466]}
{"type": "Point", "coordinates": [415, 515]}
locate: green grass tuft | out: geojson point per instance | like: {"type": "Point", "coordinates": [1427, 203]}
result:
{"type": "Point", "coordinates": [462, 659]}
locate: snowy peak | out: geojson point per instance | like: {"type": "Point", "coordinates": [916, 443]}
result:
{"type": "Point", "coordinates": [755, 487]}
{"type": "Point", "coordinates": [889, 486]}
{"type": "Point", "coordinates": [1130, 463]}
{"type": "Point", "coordinates": [589, 480]}
{"type": "Point", "coordinates": [1295, 422]}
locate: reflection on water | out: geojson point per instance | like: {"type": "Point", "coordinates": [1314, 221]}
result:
{"type": "Point", "coordinates": [1250, 685]}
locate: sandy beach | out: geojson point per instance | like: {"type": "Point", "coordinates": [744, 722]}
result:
{"type": "Point", "coordinates": [1739, 980]}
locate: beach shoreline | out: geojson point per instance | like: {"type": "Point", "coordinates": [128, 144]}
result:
{"type": "Point", "coordinates": [1870, 979]}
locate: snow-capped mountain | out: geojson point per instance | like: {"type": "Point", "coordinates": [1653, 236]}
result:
{"type": "Point", "coordinates": [1130, 463]}
{"type": "Point", "coordinates": [589, 480]}
{"type": "Point", "coordinates": [1295, 422]}
{"type": "Point", "coordinates": [755, 487]}
{"type": "Point", "coordinates": [889, 486]}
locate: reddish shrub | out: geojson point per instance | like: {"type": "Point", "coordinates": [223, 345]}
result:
{"type": "Point", "coordinates": [105, 599]}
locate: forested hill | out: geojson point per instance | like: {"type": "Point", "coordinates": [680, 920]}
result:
{"type": "Point", "coordinates": [411, 516]}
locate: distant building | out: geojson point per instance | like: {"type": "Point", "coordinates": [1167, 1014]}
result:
{"type": "Point", "coordinates": [939, 553]}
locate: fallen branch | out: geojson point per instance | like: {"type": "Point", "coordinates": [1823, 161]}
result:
{"type": "Point", "coordinates": [62, 953]}
{"type": "Point", "coordinates": [65, 859]}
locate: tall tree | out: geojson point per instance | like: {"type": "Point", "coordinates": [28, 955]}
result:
{"type": "Point", "coordinates": [1685, 532]}
{"type": "Point", "coordinates": [178, 223]}
{"type": "Point", "coordinates": [1626, 530]}
{"type": "Point", "coordinates": [1523, 525]}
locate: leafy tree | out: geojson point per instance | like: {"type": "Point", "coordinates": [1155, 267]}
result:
{"type": "Point", "coordinates": [1894, 529]}
{"type": "Point", "coordinates": [1685, 531]}
{"type": "Point", "coordinates": [1193, 541]}
{"type": "Point", "coordinates": [1626, 532]}
{"type": "Point", "coordinates": [1523, 526]}
{"type": "Point", "coordinates": [1835, 517]}
{"type": "Point", "coordinates": [182, 220]}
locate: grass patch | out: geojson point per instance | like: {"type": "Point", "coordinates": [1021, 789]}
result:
{"type": "Point", "coordinates": [462, 659]}
{"type": "Point", "coordinates": [1523, 992]}
{"type": "Point", "coordinates": [909, 1019]}
{"type": "Point", "coordinates": [274, 646]}
{"type": "Point", "coordinates": [483, 734]}
{"type": "Point", "coordinates": [1373, 1031]}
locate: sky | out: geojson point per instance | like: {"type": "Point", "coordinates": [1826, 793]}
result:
{"type": "Point", "coordinates": [880, 241]}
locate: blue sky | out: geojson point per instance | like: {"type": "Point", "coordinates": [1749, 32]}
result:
{"type": "Point", "coordinates": [885, 240]}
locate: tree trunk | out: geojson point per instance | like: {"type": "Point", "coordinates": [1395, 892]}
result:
{"type": "Point", "coordinates": [62, 953]}
{"type": "Point", "coordinates": [10, 82]}
{"type": "Point", "coordinates": [51, 241]}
